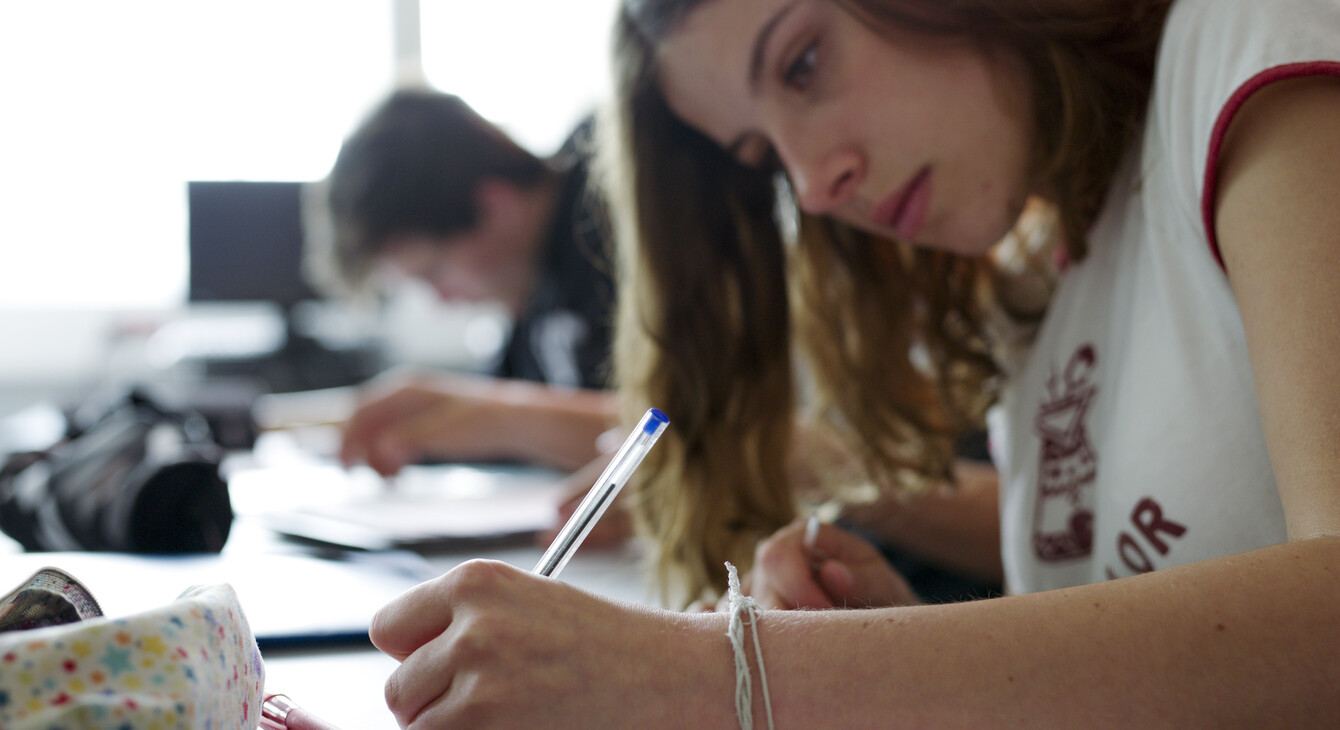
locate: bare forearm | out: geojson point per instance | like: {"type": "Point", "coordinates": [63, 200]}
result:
{"type": "Point", "coordinates": [1245, 641]}
{"type": "Point", "coordinates": [556, 427]}
{"type": "Point", "coordinates": [958, 530]}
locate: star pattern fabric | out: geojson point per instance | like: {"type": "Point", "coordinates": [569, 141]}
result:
{"type": "Point", "coordinates": [193, 663]}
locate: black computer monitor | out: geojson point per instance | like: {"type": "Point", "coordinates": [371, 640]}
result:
{"type": "Point", "coordinates": [246, 242]}
{"type": "Point", "coordinates": [246, 245]}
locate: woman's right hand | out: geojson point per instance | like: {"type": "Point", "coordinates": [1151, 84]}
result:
{"type": "Point", "coordinates": [490, 646]}
{"type": "Point", "coordinates": [829, 568]}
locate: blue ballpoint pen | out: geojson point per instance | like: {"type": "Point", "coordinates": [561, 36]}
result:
{"type": "Point", "coordinates": [625, 461]}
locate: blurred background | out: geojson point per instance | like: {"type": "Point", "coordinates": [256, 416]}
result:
{"type": "Point", "coordinates": [118, 118]}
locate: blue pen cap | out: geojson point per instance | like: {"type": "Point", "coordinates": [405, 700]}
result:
{"type": "Point", "coordinates": [654, 421]}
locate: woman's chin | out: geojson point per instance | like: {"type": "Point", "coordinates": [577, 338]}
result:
{"type": "Point", "coordinates": [961, 245]}
{"type": "Point", "coordinates": [974, 240]}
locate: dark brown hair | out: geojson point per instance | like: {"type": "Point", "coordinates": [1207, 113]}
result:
{"type": "Point", "coordinates": [414, 166]}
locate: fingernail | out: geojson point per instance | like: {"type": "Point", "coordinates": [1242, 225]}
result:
{"type": "Point", "coordinates": [842, 578]}
{"type": "Point", "coordinates": [811, 531]}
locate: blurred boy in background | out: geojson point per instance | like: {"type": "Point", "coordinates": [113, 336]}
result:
{"type": "Point", "coordinates": [426, 188]}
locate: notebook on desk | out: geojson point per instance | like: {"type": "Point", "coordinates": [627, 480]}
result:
{"type": "Point", "coordinates": [438, 507]}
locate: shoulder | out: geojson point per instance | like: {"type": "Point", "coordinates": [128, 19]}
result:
{"type": "Point", "coordinates": [1227, 22]}
{"type": "Point", "coordinates": [1210, 48]}
{"type": "Point", "coordinates": [1214, 56]}
{"type": "Point", "coordinates": [579, 146]}
{"type": "Point", "coordinates": [1278, 166]}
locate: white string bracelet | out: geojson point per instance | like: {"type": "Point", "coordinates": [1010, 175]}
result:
{"type": "Point", "coordinates": [742, 606]}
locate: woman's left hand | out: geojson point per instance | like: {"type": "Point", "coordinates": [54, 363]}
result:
{"type": "Point", "coordinates": [831, 568]}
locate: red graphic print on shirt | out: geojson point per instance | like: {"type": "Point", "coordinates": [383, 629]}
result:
{"type": "Point", "coordinates": [1063, 516]}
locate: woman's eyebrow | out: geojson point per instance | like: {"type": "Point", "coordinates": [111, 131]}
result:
{"type": "Point", "coordinates": [761, 45]}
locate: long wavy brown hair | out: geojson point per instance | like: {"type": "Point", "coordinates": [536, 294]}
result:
{"type": "Point", "coordinates": [720, 308]}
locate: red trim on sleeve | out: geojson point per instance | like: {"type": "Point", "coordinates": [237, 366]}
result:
{"type": "Point", "coordinates": [1226, 116]}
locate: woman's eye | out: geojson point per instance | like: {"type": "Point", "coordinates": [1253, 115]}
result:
{"type": "Point", "coordinates": [799, 73]}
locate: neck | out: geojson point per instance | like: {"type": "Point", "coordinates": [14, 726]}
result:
{"type": "Point", "coordinates": [540, 206]}
{"type": "Point", "coordinates": [537, 210]}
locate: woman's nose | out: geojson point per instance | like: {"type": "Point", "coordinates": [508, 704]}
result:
{"type": "Point", "coordinates": [823, 180]}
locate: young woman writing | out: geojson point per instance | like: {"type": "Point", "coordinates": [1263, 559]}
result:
{"type": "Point", "coordinates": [1170, 484]}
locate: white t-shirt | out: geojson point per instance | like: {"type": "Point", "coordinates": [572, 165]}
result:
{"type": "Point", "coordinates": [1130, 438]}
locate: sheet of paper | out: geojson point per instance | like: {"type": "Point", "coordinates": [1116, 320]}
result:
{"type": "Point", "coordinates": [424, 507]}
{"type": "Point", "coordinates": [288, 598]}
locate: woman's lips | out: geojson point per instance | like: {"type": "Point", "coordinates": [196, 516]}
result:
{"type": "Point", "coordinates": [905, 209]}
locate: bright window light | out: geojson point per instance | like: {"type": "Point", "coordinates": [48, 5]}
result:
{"type": "Point", "coordinates": [110, 107]}
{"type": "Point", "coordinates": [533, 67]}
